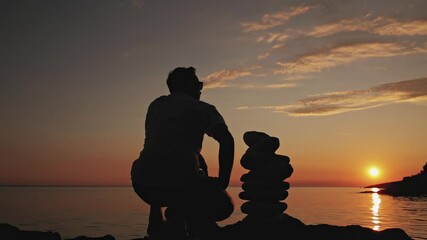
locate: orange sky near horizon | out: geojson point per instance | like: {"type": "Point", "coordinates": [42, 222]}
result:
{"type": "Point", "coordinates": [343, 85]}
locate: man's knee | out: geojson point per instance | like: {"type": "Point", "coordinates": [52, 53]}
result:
{"type": "Point", "coordinates": [224, 207]}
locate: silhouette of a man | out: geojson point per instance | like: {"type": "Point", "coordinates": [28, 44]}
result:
{"type": "Point", "coordinates": [171, 172]}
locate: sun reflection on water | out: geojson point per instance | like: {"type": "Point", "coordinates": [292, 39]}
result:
{"type": "Point", "coordinates": [376, 202]}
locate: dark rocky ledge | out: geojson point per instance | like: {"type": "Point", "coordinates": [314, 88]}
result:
{"type": "Point", "coordinates": [288, 228]}
{"type": "Point", "coordinates": [9, 232]}
{"type": "Point", "coordinates": [293, 229]}
{"type": "Point", "coordinates": [415, 185]}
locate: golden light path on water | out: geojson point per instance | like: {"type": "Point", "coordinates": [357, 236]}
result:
{"type": "Point", "coordinates": [376, 201]}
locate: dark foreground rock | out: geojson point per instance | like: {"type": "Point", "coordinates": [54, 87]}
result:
{"type": "Point", "coordinates": [293, 229]}
{"type": "Point", "coordinates": [288, 228]}
{"type": "Point", "coordinates": [9, 232]}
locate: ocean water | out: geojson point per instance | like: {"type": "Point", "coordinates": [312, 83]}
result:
{"type": "Point", "coordinates": [97, 211]}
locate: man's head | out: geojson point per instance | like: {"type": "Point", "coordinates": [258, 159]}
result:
{"type": "Point", "coordinates": [184, 80]}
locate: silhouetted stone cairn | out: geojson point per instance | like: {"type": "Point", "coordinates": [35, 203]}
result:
{"type": "Point", "coordinates": [263, 186]}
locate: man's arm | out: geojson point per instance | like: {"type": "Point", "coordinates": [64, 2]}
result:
{"type": "Point", "coordinates": [226, 153]}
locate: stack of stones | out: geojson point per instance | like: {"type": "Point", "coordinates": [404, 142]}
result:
{"type": "Point", "coordinates": [263, 186]}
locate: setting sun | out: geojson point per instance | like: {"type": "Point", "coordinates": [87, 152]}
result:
{"type": "Point", "coordinates": [374, 172]}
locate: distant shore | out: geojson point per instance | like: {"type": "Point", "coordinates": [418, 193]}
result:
{"type": "Point", "coordinates": [415, 185]}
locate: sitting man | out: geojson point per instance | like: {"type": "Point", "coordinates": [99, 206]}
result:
{"type": "Point", "coordinates": [170, 171]}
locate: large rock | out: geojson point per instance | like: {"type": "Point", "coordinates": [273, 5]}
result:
{"type": "Point", "coordinates": [290, 228]}
{"type": "Point", "coordinates": [9, 232]}
{"type": "Point", "coordinates": [82, 237]}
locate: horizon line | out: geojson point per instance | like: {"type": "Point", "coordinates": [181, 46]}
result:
{"type": "Point", "coordinates": [88, 186]}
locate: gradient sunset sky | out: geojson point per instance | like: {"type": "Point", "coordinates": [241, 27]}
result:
{"type": "Point", "coordinates": [342, 84]}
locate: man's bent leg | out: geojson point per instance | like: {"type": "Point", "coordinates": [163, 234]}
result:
{"type": "Point", "coordinates": [156, 222]}
{"type": "Point", "coordinates": [176, 222]}
{"type": "Point", "coordinates": [154, 197]}
{"type": "Point", "coordinates": [209, 203]}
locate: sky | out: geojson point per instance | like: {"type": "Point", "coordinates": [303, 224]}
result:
{"type": "Point", "coordinates": [342, 84]}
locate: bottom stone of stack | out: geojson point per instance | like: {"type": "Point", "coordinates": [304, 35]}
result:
{"type": "Point", "coordinates": [263, 208]}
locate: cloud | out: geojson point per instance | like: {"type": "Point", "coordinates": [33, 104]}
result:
{"type": "Point", "coordinates": [266, 54]}
{"type": "Point", "coordinates": [273, 37]}
{"type": "Point", "coordinates": [346, 54]}
{"type": "Point", "coordinates": [281, 85]}
{"type": "Point", "coordinates": [379, 25]}
{"type": "Point", "coordinates": [268, 86]}
{"type": "Point", "coordinates": [220, 79]}
{"type": "Point", "coordinates": [276, 19]}
{"type": "Point", "coordinates": [412, 91]}
{"type": "Point", "coordinates": [395, 28]}
{"type": "Point", "coordinates": [297, 77]}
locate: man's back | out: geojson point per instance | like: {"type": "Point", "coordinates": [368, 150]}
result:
{"type": "Point", "coordinates": [175, 125]}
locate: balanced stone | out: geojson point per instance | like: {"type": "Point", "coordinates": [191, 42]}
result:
{"type": "Point", "coordinates": [272, 195]}
{"type": "Point", "coordinates": [252, 159]}
{"type": "Point", "coordinates": [252, 137]}
{"type": "Point", "coordinates": [263, 186]}
{"type": "Point", "coordinates": [268, 144]}
{"type": "Point", "coordinates": [278, 172]}
{"type": "Point", "coordinates": [263, 208]}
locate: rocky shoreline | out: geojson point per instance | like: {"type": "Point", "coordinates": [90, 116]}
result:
{"type": "Point", "coordinates": [10, 232]}
{"type": "Point", "coordinates": [287, 228]}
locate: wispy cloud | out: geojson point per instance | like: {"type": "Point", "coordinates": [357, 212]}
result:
{"type": "Point", "coordinates": [273, 37]}
{"type": "Point", "coordinates": [268, 86]}
{"type": "Point", "coordinates": [221, 78]}
{"type": "Point", "coordinates": [395, 28]}
{"type": "Point", "coordinates": [281, 85]}
{"type": "Point", "coordinates": [266, 54]}
{"type": "Point", "coordinates": [379, 25]}
{"type": "Point", "coordinates": [341, 55]}
{"type": "Point", "coordinates": [297, 77]}
{"type": "Point", "coordinates": [413, 91]}
{"type": "Point", "coordinates": [276, 19]}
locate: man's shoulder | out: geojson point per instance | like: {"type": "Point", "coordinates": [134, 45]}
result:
{"type": "Point", "coordinates": [161, 98]}
{"type": "Point", "coordinates": [189, 100]}
{"type": "Point", "coordinates": [205, 103]}
{"type": "Point", "coordinates": [181, 101]}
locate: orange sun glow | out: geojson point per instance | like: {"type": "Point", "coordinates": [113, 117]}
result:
{"type": "Point", "coordinates": [374, 172]}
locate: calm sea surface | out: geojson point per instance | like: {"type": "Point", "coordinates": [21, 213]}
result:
{"type": "Point", "coordinates": [96, 211]}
